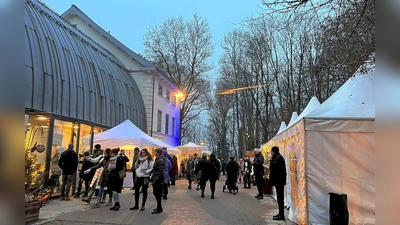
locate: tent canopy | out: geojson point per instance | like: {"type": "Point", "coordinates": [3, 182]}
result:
{"type": "Point", "coordinates": [191, 148]}
{"type": "Point", "coordinates": [127, 134]}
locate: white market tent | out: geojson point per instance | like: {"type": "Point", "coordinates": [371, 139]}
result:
{"type": "Point", "coordinates": [191, 148]}
{"type": "Point", "coordinates": [331, 149]}
{"type": "Point", "coordinates": [128, 136]}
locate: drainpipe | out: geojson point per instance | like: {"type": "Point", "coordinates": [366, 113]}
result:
{"type": "Point", "coordinates": [152, 107]}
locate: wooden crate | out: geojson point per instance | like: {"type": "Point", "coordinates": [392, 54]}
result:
{"type": "Point", "coordinates": [32, 210]}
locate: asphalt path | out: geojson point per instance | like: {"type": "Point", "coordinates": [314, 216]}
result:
{"type": "Point", "coordinates": [183, 206]}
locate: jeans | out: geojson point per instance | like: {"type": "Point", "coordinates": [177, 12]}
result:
{"type": "Point", "coordinates": [246, 180]}
{"type": "Point", "coordinates": [157, 192]}
{"type": "Point", "coordinates": [141, 181]}
{"type": "Point", "coordinates": [66, 184]}
{"type": "Point", "coordinates": [116, 196]}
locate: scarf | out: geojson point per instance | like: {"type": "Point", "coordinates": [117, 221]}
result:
{"type": "Point", "coordinates": [112, 163]}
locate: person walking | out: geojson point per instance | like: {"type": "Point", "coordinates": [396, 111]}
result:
{"type": "Point", "coordinates": [68, 163]}
{"type": "Point", "coordinates": [213, 173]}
{"type": "Point", "coordinates": [143, 166]}
{"type": "Point", "coordinates": [277, 178]}
{"type": "Point", "coordinates": [190, 166]}
{"type": "Point", "coordinates": [202, 166]}
{"type": "Point", "coordinates": [174, 169]}
{"type": "Point", "coordinates": [258, 166]}
{"type": "Point", "coordinates": [115, 165]}
{"type": "Point", "coordinates": [167, 172]}
{"type": "Point", "coordinates": [158, 178]}
{"type": "Point", "coordinates": [232, 173]}
{"type": "Point", "coordinates": [246, 172]}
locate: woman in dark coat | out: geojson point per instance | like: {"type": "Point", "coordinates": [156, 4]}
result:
{"type": "Point", "coordinates": [158, 178]}
{"type": "Point", "coordinates": [203, 166]}
{"type": "Point", "coordinates": [213, 173]}
{"type": "Point", "coordinates": [115, 165]}
{"type": "Point", "coordinates": [232, 172]}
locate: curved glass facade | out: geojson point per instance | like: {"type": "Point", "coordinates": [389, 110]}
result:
{"type": "Point", "coordinates": [74, 87]}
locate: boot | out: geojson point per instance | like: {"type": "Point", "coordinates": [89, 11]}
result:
{"type": "Point", "coordinates": [97, 204]}
{"type": "Point", "coordinates": [86, 200]}
{"type": "Point", "coordinates": [109, 203]}
{"type": "Point", "coordinates": [116, 206]}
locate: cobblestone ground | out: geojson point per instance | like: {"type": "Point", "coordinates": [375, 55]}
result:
{"type": "Point", "coordinates": [182, 207]}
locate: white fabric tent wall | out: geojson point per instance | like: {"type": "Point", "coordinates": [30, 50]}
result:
{"type": "Point", "coordinates": [331, 149]}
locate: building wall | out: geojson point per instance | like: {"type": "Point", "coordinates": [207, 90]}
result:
{"type": "Point", "coordinates": [144, 73]}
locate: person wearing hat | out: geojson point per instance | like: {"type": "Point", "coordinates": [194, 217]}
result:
{"type": "Point", "coordinates": [277, 178]}
{"type": "Point", "coordinates": [258, 167]}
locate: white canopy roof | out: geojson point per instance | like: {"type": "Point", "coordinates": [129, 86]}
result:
{"type": "Point", "coordinates": [191, 148]}
{"type": "Point", "coordinates": [127, 134]}
{"type": "Point", "coordinates": [353, 100]}
{"type": "Point", "coordinates": [282, 127]}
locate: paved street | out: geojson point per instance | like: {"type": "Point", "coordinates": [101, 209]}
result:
{"type": "Point", "coordinates": [182, 207]}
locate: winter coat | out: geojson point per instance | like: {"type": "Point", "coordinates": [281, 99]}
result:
{"type": "Point", "coordinates": [247, 166]}
{"type": "Point", "coordinates": [232, 171]}
{"type": "Point", "coordinates": [214, 168]}
{"type": "Point", "coordinates": [158, 170]}
{"type": "Point", "coordinates": [115, 183]}
{"type": "Point", "coordinates": [190, 164]}
{"type": "Point", "coordinates": [142, 167]}
{"type": "Point", "coordinates": [55, 169]}
{"type": "Point", "coordinates": [277, 174]}
{"type": "Point", "coordinates": [68, 162]}
{"type": "Point", "coordinates": [258, 165]}
{"type": "Point", "coordinates": [174, 169]}
{"type": "Point", "coordinates": [87, 165]}
{"type": "Point", "coordinates": [203, 165]}
{"type": "Point", "coordinates": [101, 174]}
{"type": "Point", "coordinates": [167, 170]}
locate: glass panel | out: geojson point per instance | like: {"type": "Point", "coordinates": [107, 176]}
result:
{"type": "Point", "coordinates": [62, 135]}
{"type": "Point", "coordinates": [84, 138]}
{"type": "Point", "coordinates": [37, 133]}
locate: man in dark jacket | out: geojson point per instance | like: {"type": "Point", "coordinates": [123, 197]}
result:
{"type": "Point", "coordinates": [158, 178]}
{"type": "Point", "coordinates": [277, 178]}
{"type": "Point", "coordinates": [68, 163]}
{"type": "Point", "coordinates": [258, 166]}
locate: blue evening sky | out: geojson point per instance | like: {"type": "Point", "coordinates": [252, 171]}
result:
{"type": "Point", "coordinates": [129, 20]}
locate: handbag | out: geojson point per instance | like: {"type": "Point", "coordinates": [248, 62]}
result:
{"type": "Point", "coordinates": [122, 173]}
{"type": "Point", "coordinates": [199, 174]}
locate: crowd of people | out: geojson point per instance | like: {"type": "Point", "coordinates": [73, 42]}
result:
{"type": "Point", "coordinates": [103, 171]}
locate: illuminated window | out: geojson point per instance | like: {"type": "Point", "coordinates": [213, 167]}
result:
{"type": "Point", "coordinates": [160, 90]}
{"type": "Point", "coordinates": [167, 95]}
{"type": "Point", "coordinates": [173, 126]}
{"type": "Point", "coordinates": [166, 123]}
{"type": "Point", "coordinates": [159, 115]}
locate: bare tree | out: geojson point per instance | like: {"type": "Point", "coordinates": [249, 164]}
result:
{"type": "Point", "coordinates": [181, 49]}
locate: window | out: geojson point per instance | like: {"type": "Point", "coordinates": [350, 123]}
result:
{"type": "Point", "coordinates": [160, 89]}
{"type": "Point", "coordinates": [167, 95]}
{"type": "Point", "coordinates": [166, 123]}
{"type": "Point", "coordinates": [173, 126]}
{"type": "Point", "coordinates": [174, 100]}
{"type": "Point", "coordinates": [159, 121]}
